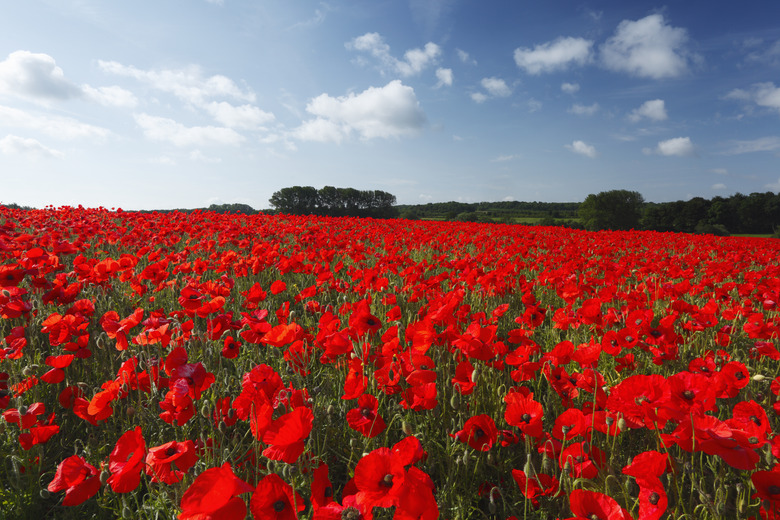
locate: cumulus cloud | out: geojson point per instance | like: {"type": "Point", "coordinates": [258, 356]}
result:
{"type": "Point", "coordinates": [414, 62]}
{"type": "Point", "coordinates": [678, 146]}
{"type": "Point", "coordinates": [164, 129]}
{"type": "Point", "coordinates": [188, 84]}
{"type": "Point", "coordinates": [478, 97]}
{"type": "Point", "coordinates": [35, 77]}
{"type": "Point", "coordinates": [110, 96]}
{"type": "Point", "coordinates": [464, 57]}
{"type": "Point", "coordinates": [655, 110]}
{"type": "Point", "coordinates": [496, 87]}
{"type": "Point", "coordinates": [391, 111]}
{"type": "Point", "coordinates": [763, 144]}
{"type": "Point", "coordinates": [648, 48]}
{"type": "Point", "coordinates": [555, 55]}
{"type": "Point", "coordinates": [64, 128]}
{"type": "Point", "coordinates": [244, 117]}
{"type": "Point", "coordinates": [570, 88]}
{"type": "Point", "coordinates": [15, 145]}
{"type": "Point", "coordinates": [719, 186]}
{"type": "Point", "coordinates": [584, 110]}
{"type": "Point", "coordinates": [582, 148]}
{"type": "Point", "coordinates": [444, 76]}
{"type": "Point", "coordinates": [762, 94]}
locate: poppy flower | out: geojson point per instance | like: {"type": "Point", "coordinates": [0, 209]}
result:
{"type": "Point", "coordinates": [538, 486]}
{"type": "Point", "coordinates": [127, 461]}
{"type": "Point", "coordinates": [379, 478]}
{"type": "Point", "coordinates": [213, 495]}
{"type": "Point", "coordinates": [365, 418]}
{"type": "Point", "coordinates": [767, 484]}
{"type": "Point", "coordinates": [583, 460]}
{"type": "Point", "coordinates": [596, 506]}
{"type": "Point", "coordinates": [169, 462]}
{"type": "Point", "coordinates": [286, 435]}
{"type": "Point", "coordinates": [274, 499]}
{"type": "Point", "coordinates": [525, 413]}
{"type": "Point", "coordinates": [78, 478]}
{"type": "Point", "coordinates": [321, 488]}
{"type": "Point", "coordinates": [479, 432]}
{"type": "Point", "coordinates": [416, 501]}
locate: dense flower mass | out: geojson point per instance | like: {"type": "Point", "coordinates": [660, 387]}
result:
{"type": "Point", "coordinates": [206, 366]}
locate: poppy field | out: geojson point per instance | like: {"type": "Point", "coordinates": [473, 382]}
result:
{"type": "Point", "coordinates": [206, 366]}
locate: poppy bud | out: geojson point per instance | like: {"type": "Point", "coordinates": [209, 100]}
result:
{"type": "Point", "coordinates": [528, 469]}
{"type": "Point", "coordinates": [222, 427]}
{"type": "Point", "coordinates": [127, 512]}
{"type": "Point", "coordinates": [585, 447]}
{"type": "Point", "coordinates": [205, 412]}
{"type": "Point", "coordinates": [475, 374]}
{"type": "Point", "coordinates": [44, 493]}
{"type": "Point", "coordinates": [406, 428]}
{"type": "Point", "coordinates": [621, 424]}
{"type": "Point", "coordinates": [455, 401]}
{"type": "Point", "coordinates": [104, 476]}
{"type": "Point", "coordinates": [758, 378]}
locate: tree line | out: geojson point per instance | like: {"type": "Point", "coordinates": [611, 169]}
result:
{"type": "Point", "coordinates": [334, 202]}
{"type": "Point", "coordinates": [757, 213]}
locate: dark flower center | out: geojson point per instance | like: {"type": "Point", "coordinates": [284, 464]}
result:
{"type": "Point", "coordinates": [773, 490]}
{"type": "Point", "coordinates": [387, 481]}
{"type": "Point", "coordinates": [350, 513]}
{"type": "Point", "coordinates": [654, 498]}
{"type": "Point", "coordinates": [739, 375]}
{"type": "Point", "coordinates": [478, 433]}
{"type": "Point", "coordinates": [328, 492]}
{"type": "Point", "coordinates": [641, 399]}
{"type": "Point", "coordinates": [170, 452]}
{"type": "Point", "coordinates": [279, 506]}
{"type": "Point", "coordinates": [688, 394]}
{"type": "Point", "coordinates": [755, 420]}
{"type": "Point", "coordinates": [526, 417]}
{"type": "Point", "coordinates": [365, 412]}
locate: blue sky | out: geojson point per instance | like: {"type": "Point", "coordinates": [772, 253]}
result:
{"type": "Point", "coordinates": [168, 104]}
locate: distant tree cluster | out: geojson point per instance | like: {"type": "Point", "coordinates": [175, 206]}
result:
{"type": "Point", "coordinates": [335, 202]}
{"type": "Point", "coordinates": [616, 209]}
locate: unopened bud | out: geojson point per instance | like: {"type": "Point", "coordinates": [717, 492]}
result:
{"type": "Point", "coordinates": [406, 428]}
{"type": "Point", "coordinates": [758, 378]}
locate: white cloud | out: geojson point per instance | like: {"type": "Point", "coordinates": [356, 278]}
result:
{"type": "Point", "coordinates": [763, 144]}
{"type": "Point", "coordinates": [720, 171]}
{"type": "Point", "coordinates": [762, 94]}
{"type": "Point", "coordinates": [478, 97]}
{"type": "Point", "coordinates": [647, 48]}
{"type": "Point", "coordinates": [15, 145]}
{"type": "Point", "coordinates": [583, 149]}
{"type": "Point", "coordinates": [505, 158]}
{"type": "Point", "coordinates": [584, 110]}
{"type": "Point", "coordinates": [198, 156]}
{"type": "Point", "coordinates": [774, 186]}
{"type": "Point", "coordinates": [64, 128]}
{"type": "Point", "coordinates": [678, 146]}
{"type": "Point", "coordinates": [496, 87]}
{"type": "Point", "coordinates": [570, 88]}
{"type": "Point", "coordinates": [555, 55]}
{"type": "Point", "coordinates": [444, 76]}
{"type": "Point", "coordinates": [164, 129]}
{"type": "Point", "coordinates": [655, 109]}
{"type": "Point", "coordinates": [719, 186]}
{"type": "Point", "coordinates": [464, 57]}
{"type": "Point", "coordinates": [35, 77]}
{"type": "Point", "coordinates": [188, 84]}
{"type": "Point", "coordinates": [414, 62]}
{"type": "Point", "coordinates": [391, 111]}
{"type": "Point", "coordinates": [244, 117]}
{"type": "Point", "coordinates": [110, 96]}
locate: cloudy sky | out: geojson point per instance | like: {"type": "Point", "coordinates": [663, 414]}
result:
{"type": "Point", "coordinates": [178, 103]}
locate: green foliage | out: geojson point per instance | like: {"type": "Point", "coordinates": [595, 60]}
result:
{"type": "Point", "coordinates": [334, 202]}
{"type": "Point", "coordinates": [615, 209]}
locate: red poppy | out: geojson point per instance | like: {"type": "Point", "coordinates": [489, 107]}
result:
{"type": "Point", "coordinates": [583, 460]}
{"type": "Point", "coordinates": [321, 488]}
{"type": "Point", "coordinates": [379, 479]}
{"type": "Point", "coordinates": [569, 424]}
{"type": "Point", "coordinates": [274, 499]}
{"type": "Point", "coordinates": [538, 486]}
{"type": "Point", "coordinates": [596, 506]}
{"type": "Point", "coordinates": [213, 495]}
{"type": "Point", "coordinates": [127, 461]}
{"type": "Point", "coordinates": [79, 479]}
{"type": "Point", "coordinates": [286, 435]}
{"type": "Point", "coordinates": [767, 484]}
{"type": "Point", "coordinates": [169, 462]}
{"type": "Point", "coordinates": [365, 418]}
{"type": "Point", "coordinates": [525, 413]}
{"type": "Point", "coordinates": [479, 432]}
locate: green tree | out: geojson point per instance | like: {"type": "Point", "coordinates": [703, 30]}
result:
{"type": "Point", "coordinates": [297, 200]}
{"type": "Point", "coordinates": [615, 209]}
